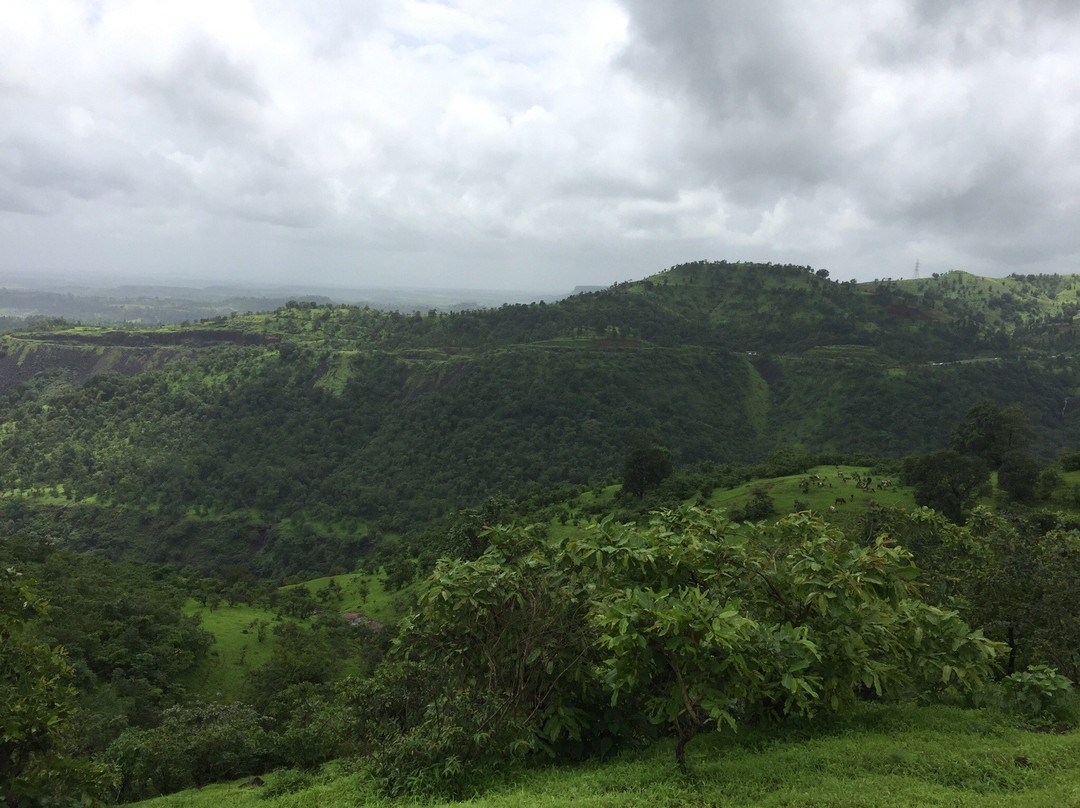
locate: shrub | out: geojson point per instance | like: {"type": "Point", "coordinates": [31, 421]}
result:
{"type": "Point", "coordinates": [1070, 460]}
{"type": "Point", "coordinates": [288, 781]}
{"type": "Point", "coordinates": [193, 746]}
{"type": "Point", "coordinates": [447, 754]}
{"type": "Point", "coordinates": [1040, 694]}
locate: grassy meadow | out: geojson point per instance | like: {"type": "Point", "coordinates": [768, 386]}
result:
{"type": "Point", "coordinates": [879, 756]}
{"type": "Point", "coordinates": [238, 649]}
{"type": "Point", "coordinates": [787, 491]}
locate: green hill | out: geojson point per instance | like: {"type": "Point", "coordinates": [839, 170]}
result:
{"type": "Point", "coordinates": [295, 440]}
{"type": "Point", "coordinates": [568, 617]}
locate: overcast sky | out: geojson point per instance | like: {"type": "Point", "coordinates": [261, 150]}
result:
{"type": "Point", "coordinates": [535, 144]}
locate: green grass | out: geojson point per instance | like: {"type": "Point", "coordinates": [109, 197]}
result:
{"type": "Point", "coordinates": [583, 512]}
{"type": "Point", "coordinates": [236, 649]}
{"type": "Point", "coordinates": [339, 372]}
{"type": "Point", "coordinates": [786, 490]}
{"type": "Point", "coordinates": [379, 605]}
{"type": "Point", "coordinates": [880, 756]}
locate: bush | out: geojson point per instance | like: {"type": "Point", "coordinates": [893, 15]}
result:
{"type": "Point", "coordinates": [193, 746]}
{"type": "Point", "coordinates": [1040, 694]}
{"type": "Point", "coordinates": [447, 754]}
{"type": "Point", "coordinates": [1070, 460]}
{"type": "Point", "coordinates": [288, 781]}
{"type": "Point", "coordinates": [759, 506]}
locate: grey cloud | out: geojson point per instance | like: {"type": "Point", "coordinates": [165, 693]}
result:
{"type": "Point", "coordinates": [485, 142]}
{"type": "Point", "coordinates": [933, 124]}
{"type": "Point", "coordinates": [288, 201]}
{"type": "Point", "coordinates": [966, 32]}
{"type": "Point", "coordinates": [730, 57]}
{"type": "Point", "coordinates": [16, 200]}
{"type": "Point", "coordinates": [41, 167]}
{"type": "Point", "coordinates": [205, 89]}
{"type": "Point", "coordinates": [760, 102]}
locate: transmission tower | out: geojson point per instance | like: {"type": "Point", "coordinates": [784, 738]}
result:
{"type": "Point", "coordinates": [916, 269]}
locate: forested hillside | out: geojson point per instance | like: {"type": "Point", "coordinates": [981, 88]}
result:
{"type": "Point", "coordinates": [301, 436]}
{"type": "Point", "coordinates": [540, 530]}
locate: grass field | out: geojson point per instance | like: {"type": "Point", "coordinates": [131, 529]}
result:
{"type": "Point", "coordinates": [361, 593]}
{"type": "Point", "coordinates": [785, 491]}
{"type": "Point", "coordinates": [880, 756]}
{"type": "Point", "coordinates": [237, 649]}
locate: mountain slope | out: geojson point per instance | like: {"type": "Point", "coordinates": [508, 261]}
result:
{"type": "Point", "coordinates": [322, 427]}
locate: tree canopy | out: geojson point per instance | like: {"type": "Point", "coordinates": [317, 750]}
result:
{"type": "Point", "coordinates": [947, 481]}
{"type": "Point", "coordinates": [686, 622]}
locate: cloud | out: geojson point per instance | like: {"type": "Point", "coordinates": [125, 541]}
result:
{"type": "Point", "coordinates": [952, 124]}
{"type": "Point", "coordinates": [538, 143]}
{"type": "Point", "coordinates": [204, 89]}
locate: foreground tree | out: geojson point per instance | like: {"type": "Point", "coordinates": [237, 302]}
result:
{"type": "Point", "coordinates": [713, 626]}
{"type": "Point", "coordinates": [1019, 579]}
{"type": "Point", "coordinates": [1014, 574]}
{"type": "Point", "coordinates": [686, 623]}
{"type": "Point", "coordinates": [37, 704]}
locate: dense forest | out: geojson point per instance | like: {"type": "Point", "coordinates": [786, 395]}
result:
{"type": "Point", "coordinates": [536, 501]}
{"type": "Point", "coordinates": [348, 423]}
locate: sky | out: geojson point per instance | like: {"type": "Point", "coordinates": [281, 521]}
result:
{"type": "Point", "coordinates": [535, 144]}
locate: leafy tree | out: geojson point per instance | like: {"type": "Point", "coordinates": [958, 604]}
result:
{"type": "Point", "coordinates": [644, 468]}
{"type": "Point", "coordinates": [990, 432]}
{"type": "Point", "coordinates": [37, 705]}
{"type": "Point", "coordinates": [1020, 581]}
{"type": "Point", "coordinates": [1013, 575]}
{"type": "Point", "coordinates": [296, 601]}
{"type": "Point", "coordinates": [1050, 480]}
{"type": "Point", "coordinates": [947, 481]}
{"type": "Point", "coordinates": [796, 616]}
{"type": "Point", "coordinates": [759, 506]}
{"type": "Point", "coordinates": [786, 461]}
{"type": "Point", "coordinates": [510, 632]}
{"type": "Point", "coordinates": [1069, 459]}
{"type": "Point", "coordinates": [123, 633]}
{"type": "Point", "coordinates": [299, 655]}
{"type": "Point", "coordinates": [1018, 476]}
{"type": "Point", "coordinates": [547, 643]}
{"type": "Point", "coordinates": [194, 745]}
